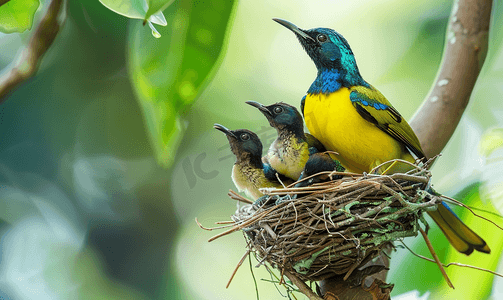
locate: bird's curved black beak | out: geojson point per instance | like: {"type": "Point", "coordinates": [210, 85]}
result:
{"type": "Point", "coordinates": [299, 32]}
{"type": "Point", "coordinates": [224, 129]}
{"type": "Point", "coordinates": [261, 107]}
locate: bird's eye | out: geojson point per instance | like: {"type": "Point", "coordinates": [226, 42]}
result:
{"type": "Point", "coordinates": [245, 136]}
{"type": "Point", "coordinates": [278, 109]}
{"type": "Point", "coordinates": [321, 38]}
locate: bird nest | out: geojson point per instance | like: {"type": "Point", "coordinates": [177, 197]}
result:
{"type": "Point", "coordinates": [335, 227]}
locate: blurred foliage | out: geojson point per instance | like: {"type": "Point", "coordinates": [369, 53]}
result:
{"type": "Point", "coordinates": [17, 15]}
{"type": "Point", "coordinates": [491, 147]}
{"type": "Point", "coordinates": [416, 61]}
{"type": "Point", "coordinates": [169, 74]}
{"type": "Point", "coordinates": [491, 140]}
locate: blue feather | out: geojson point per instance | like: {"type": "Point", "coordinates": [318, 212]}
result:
{"type": "Point", "coordinates": [449, 209]}
{"type": "Point", "coordinates": [327, 81]}
{"type": "Point", "coordinates": [366, 101]}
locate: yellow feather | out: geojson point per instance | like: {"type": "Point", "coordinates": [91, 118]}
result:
{"type": "Point", "coordinates": [361, 145]}
{"type": "Point", "coordinates": [249, 180]}
{"type": "Point", "coordinates": [290, 158]}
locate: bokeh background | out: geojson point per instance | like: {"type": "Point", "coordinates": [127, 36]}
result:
{"type": "Point", "coordinates": [86, 210]}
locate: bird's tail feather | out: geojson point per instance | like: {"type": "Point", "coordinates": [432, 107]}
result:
{"type": "Point", "coordinates": [459, 235]}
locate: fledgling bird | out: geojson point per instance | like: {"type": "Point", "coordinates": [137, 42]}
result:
{"type": "Point", "coordinates": [351, 117]}
{"type": "Point", "coordinates": [290, 151]}
{"type": "Point", "coordinates": [249, 173]}
{"type": "Point", "coordinates": [319, 162]}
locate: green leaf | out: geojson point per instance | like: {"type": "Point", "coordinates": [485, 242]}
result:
{"type": "Point", "coordinates": [17, 15]}
{"type": "Point", "coordinates": [136, 9]}
{"type": "Point", "coordinates": [155, 6]}
{"type": "Point", "coordinates": [169, 73]}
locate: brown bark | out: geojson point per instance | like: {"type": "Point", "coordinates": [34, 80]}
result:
{"type": "Point", "coordinates": [465, 50]}
{"type": "Point", "coordinates": [2, 2]}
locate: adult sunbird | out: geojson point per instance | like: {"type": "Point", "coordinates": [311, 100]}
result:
{"type": "Point", "coordinates": [249, 173]}
{"type": "Point", "coordinates": [290, 151]}
{"type": "Point", "coordinates": [351, 117]}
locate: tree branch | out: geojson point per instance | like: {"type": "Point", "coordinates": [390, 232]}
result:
{"type": "Point", "coordinates": [2, 2]}
{"type": "Point", "coordinates": [434, 123]}
{"type": "Point", "coordinates": [306, 290]}
{"type": "Point", "coordinates": [29, 59]}
{"type": "Point", "coordinates": [465, 50]}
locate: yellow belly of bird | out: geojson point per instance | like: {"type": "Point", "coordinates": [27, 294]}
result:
{"type": "Point", "coordinates": [334, 121]}
{"type": "Point", "coordinates": [289, 158]}
{"type": "Point", "coordinates": [249, 180]}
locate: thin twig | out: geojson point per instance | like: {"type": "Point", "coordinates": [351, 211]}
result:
{"type": "Point", "coordinates": [235, 196]}
{"type": "Point", "coordinates": [467, 207]}
{"type": "Point", "coordinates": [214, 228]}
{"type": "Point", "coordinates": [237, 267]}
{"type": "Point", "coordinates": [437, 260]}
{"type": "Point", "coordinates": [452, 263]}
{"type": "Point", "coordinates": [30, 57]}
{"type": "Point", "coordinates": [253, 276]}
{"type": "Point", "coordinates": [242, 225]}
{"type": "Point", "coordinates": [303, 287]}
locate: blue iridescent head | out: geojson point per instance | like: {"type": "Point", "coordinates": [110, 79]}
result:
{"type": "Point", "coordinates": [329, 51]}
{"type": "Point", "coordinates": [282, 116]}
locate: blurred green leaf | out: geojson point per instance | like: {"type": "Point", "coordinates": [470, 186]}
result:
{"type": "Point", "coordinates": [155, 6]}
{"type": "Point", "coordinates": [491, 146]}
{"type": "Point", "coordinates": [491, 140]}
{"type": "Point", "coordinates": [17, 15]}
{"type": "Point", "coordinates": [169, 73]}
{"type": "Point", "coordinates": [136, 9]}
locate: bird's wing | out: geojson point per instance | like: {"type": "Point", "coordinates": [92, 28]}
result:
{"type": "Point", "coordinates": [313, 142]}
{"type": "Point", "coordinates": [270, 174]}
{"type": "Point", "coordinates": [375, 108]}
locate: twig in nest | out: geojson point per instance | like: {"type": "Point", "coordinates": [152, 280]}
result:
{"type": "Point", "coordinates": [225, 222]}
{"type": "Point", "coordinates": [235, 196]}
{"type": "Point", "coordinates": [279, 180]}
{"type": "Point", "coordinates": [242, 225]}
{"type": "Point", "coordinates": [237, 267]}
{"type": "Point", "coordinates": [437, 260]}
{"type": "Point", "coordinates": [306, 290]}
{"type": "Point", "coordinates": [214, 228]}
{"type": "Point", "coordinates": [395, 161]}
{"type": "Point", "coordinates": [452, 263]}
